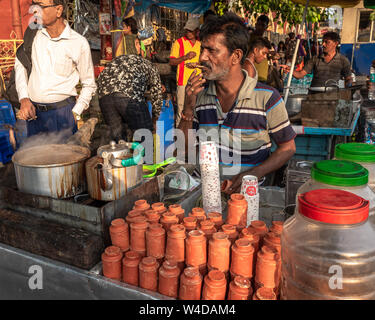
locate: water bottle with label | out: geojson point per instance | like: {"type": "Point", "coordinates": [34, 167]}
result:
{"type": "Point", "coordinates": [371, 90]}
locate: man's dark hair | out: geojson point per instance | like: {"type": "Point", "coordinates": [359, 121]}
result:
{"type": "Point", "coordinates": [291, 35]}
{"type": "Point", "coordinates": [264, 19]}
{"type": "Point", "coordinates": [61, 3]}
{"type": "Point", "coordinates": [132, 24]}
{"type": "Point", "coordinates": [232, 28]}
{"type": "Point", "coordinates": [208, 14]}
{"type": "Point", "coordinates": [334, 36]}
{"type": "Point", "coordinates": [260, 43]}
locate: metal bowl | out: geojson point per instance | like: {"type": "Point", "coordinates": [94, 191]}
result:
{"type": "Point", "coordinates": [293, 104]}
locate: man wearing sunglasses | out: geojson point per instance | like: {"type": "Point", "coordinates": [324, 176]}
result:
{"type": "Point", "coordinates": [60, 58]}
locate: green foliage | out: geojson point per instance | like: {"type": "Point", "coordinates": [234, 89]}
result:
{"type": "Point", "coordinates": [284, 10]}
{"type": "Point", "coordinates": [221, 6]}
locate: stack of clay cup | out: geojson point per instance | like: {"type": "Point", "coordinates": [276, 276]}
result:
{"type": "Point", "coordinates": [195, 255]}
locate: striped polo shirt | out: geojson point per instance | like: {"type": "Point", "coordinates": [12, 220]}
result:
{"type": "Point", "coordinates": [243, 134]}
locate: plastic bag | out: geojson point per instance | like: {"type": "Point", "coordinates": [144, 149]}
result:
{"type": "Point", "coordinates": [144, 23]}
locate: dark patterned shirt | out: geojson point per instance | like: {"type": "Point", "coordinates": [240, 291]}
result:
{"type": "Point", "coordinates": [131, 75]}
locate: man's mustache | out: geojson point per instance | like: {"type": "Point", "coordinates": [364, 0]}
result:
{"type": "Point", "coordinates": [205, 64]}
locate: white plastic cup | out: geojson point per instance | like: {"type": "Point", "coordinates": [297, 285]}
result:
{"type": "Point", "coordinates": [250, 190]}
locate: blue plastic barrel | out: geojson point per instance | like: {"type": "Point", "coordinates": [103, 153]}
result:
{"type": "Point", "coordinates": [6, 118]}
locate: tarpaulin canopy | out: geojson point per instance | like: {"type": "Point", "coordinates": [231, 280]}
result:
{"type": "Point", "coordinates": [329, 3]}
{"type": "Point", "coordinates": [191, 6]}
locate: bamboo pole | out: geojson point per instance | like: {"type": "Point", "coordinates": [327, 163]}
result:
{"type": "Point", "coordinates": [295, 55]}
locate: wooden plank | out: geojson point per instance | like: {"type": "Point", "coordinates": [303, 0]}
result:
{"type": "Point", "coordinates": [50, 239]}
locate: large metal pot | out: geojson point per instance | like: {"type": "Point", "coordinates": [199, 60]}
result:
{"type": "Point", "coordinates": [53, 170]}
{"type": "Point", "coordinates": [293, 104]}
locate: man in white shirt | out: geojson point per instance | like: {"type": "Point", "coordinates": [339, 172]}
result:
{"type": "Point", "coordinates": [60, 59]}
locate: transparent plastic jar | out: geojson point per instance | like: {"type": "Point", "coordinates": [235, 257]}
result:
{"type": "Point", "coordinates": [327, 248]}
{"type": "Point", "coordinates": [362, 153]}
{"type": "Point", "coordinates": [343, 175]}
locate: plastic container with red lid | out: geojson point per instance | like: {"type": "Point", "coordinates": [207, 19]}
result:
{"type": "Point", "coordinates": [333, 206]}
{"type": "Point", "coordinates": [328, 248]}
{"type": "Point", "coordinates": [340, 174]}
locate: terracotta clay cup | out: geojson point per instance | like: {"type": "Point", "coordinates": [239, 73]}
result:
{"type": "Point", "coordinates": [226, 184]}
{"type": "Point", "coordinates": [196, 248]}
{"type": "Point", "coordinates": [152, 216]}
{"type": "Point", "coordinates": [132, 214]}
{"type": "Point", "coordinates": [267, 267]}
{"type": "Point", "coordinates": [260, 228]}
{"type": "Point", "coordinates": [169, 277]}
{"type": "Point", "coordinates": [190, 284]}
{"type": "Point", "coordinates": [148, 273]}
{"type": "Point", "coordinates": [273, 239]}
{"type": "Point", "coordinates": [111, 259]}
{"type": "Point", "coordinates": [231, 231]}
{"type": "Point", "coordinates": [190, 223]}
{"type": "Point", "coordinates": [277, 227]}
{"type": "Point", "coordinates": [199, 213]}
{"type": "Point", "coordinates": [141, 205]}
{"type": "Point", "coordinates": [119, 233]}
{"type": "Point", "coordinates": [217, 218]}
{"type": "Point", "coordinates": [252, 236]}
{"type": "Point", "coordinates": [258, 285]}
{"type": "Point", "coordinates": [240, 289]}
{"type": "Point", "coordinates": [130, 265]}
{"type": "Point", "coordinates": [237, 210]}
{"type": "Point", "coordinates": [178, 211]}
{"type": "Point", "coordinates": [219, 252]}
{"type": "Point", "coordinates": [242, 259]}
{"type": "Point", "coordinates": [138, 235]}
{"type": "Point", "coordinates": [155, 241]}
{"type": "Point", "coordinates": [168, 219]}
{"type": "Point", "coordinates": [159, 207]}
{"type": "Point", "coordinates": [175, 249]}
{"type": "Point", "coordinates": [208, 227]}
{"type": "Point", "coordinates": [264, 294]}
{"type": "Point", "coordinates": [214, 286]}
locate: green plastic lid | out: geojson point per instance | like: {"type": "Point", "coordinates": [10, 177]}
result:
{"type": "Point", "coordinates": [339, 173]}
{"type": "Point", "coordinates": [355, 151]}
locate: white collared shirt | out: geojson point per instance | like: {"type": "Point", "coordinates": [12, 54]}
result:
{"type": "Point", "coordinates": [58, 64]}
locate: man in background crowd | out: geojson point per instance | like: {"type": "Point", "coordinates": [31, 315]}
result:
{"type": "Point", "coordinates": [258, 52]}
{"type": "Point", "coordinates": [121, 89]}
{"type": "Point", "coordinates": [60, 58]}
{"type": "Point", "coordinates": [332, 65]}
{"type": "Point", "coordinates": [185, 50]}
{"type": "Point", "coordinates": [260, 27]}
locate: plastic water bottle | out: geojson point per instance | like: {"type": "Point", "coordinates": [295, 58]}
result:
{"type": "Point", "coordinates": [371, 91]}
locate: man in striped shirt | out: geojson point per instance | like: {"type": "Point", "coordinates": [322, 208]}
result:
{"type": "Point", "coordinates": [229, 107]}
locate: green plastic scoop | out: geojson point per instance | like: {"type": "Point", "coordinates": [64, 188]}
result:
{"type": "Point", "coordinates": [154, 167]}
